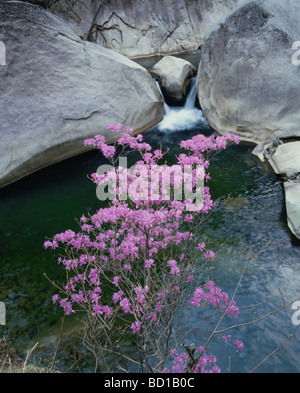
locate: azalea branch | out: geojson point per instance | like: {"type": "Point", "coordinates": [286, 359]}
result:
{"type": "Point", "coordinates": [215, 330]}
{"type": "Point", "coordinates": [257, 319]}
{"type": "Point", "coordinates": [271, 354]}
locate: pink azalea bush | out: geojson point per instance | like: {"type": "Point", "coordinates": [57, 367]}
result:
{"type": "Point", "coordinates": [134, 264]}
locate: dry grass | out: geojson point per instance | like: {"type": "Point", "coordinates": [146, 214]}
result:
{"type": "Point", "coordinates": [10, 362]}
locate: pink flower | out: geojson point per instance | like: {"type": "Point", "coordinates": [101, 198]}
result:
{"type": "Point", "coordinates": [66, 306]}
{"type": "Point", "coordinates": [127, 266]}
{"type": "Point", "coordinates": [117, 296]}
{"type": "Point", "coordinates": [90, 142]}
{"type": "Point", "coordinates": [210, 254]}
{"type": "Point", "coordinates": [239, 345]}
{"type": "Point", "coordinates": [116, 281]}
{"type": "Point", "coordinates": [78, 297]}
{"type": "Point", "coordinates": [53, 244]}
{"type": "Point", "coordinates": [107, 312]}
{"type": "Point", "coordinates": [153, 316]}
{"type": "Point", "coordinates": [226, 338]}
{"type": "Point", "coordinates": [114, 127]}
{"type": "Point", "coordinates": [125, 304]}
{"type": "Point", "coordinates": [128, 130]}
{"type": "Point", "coordinates": [136, 326]}
{"type": "Point", "coordinates": [97, 309]}
{"type": "Point", "coordinates": [175, 271]}
{"type": "Point", "coordinates": [201, 246]}
{"type": "Point", "coordinates": [149, 263]}
{"type": "Point", "coordinates": [190, 278]}
{"type": "Point", "coordinates": [55, 298]}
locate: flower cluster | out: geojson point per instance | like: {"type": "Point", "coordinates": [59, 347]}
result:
{"type": "Point", "coordinates": [215, 297]}
{"type": "Point", "coordinates": [206, 364]}
{"type": "Point", "coordinates": [130, 263]}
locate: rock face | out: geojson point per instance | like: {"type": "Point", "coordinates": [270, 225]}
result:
{"type": "Point", "coordinates": [175, 76]}
{"type": "Point", "coordinates": [247, 83]}
{"type": "Point", "coordinates": [286, 162]}
{"type": "Point", "coordinates": [284, 159]}
{"type": "Point", "coordinates": [292, 202]}
{"type": "Point", "coordinates": [144, 27]}
{"type": "Point", "coordinates": [57, 90]}
{"type": "Point", "coordinates": [265, 150]}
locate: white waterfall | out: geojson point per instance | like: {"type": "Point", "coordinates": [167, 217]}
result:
{"type": "Point", "coordinates": [166, 107]}
{"type": "Point", "coordinates": [185, 117]}
{"type": "Point", "coordinates": [191, 97]}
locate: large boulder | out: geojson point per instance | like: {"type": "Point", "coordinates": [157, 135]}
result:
{"type": "Point", "coordinates": [247, 83]}
{"type": "Point", "coordinates": [141, 28]}
{"type": "Point", "coordinates": [292, 202]}
{"type": "Point", "coordinates": [286, 159]}
{"type": "Point", "coordinates": [57, 90]}
{"type": "Point", "coordinates": [175, 76]}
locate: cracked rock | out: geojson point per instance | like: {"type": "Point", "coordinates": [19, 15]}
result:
{"type": "Point", "coordinates": [144, 27]}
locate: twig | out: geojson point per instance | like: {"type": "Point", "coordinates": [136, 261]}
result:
{"type": "Point", "coordinates": [58, 341]}
{"type": "Point", "coordinates": [215, 331]}
{"type": "Point", "coordinates": [256, 320]}
{"type": "Point", "coordinates": [271, 354]}
{"type": "Point", "coordinates": [27, 357]}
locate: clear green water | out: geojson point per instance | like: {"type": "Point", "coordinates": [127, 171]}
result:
{"type": "Point", "coordinates": [47, 202]}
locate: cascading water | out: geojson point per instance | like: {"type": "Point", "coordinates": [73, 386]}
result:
{"type": "Point", "coordinates": [185, 117]}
